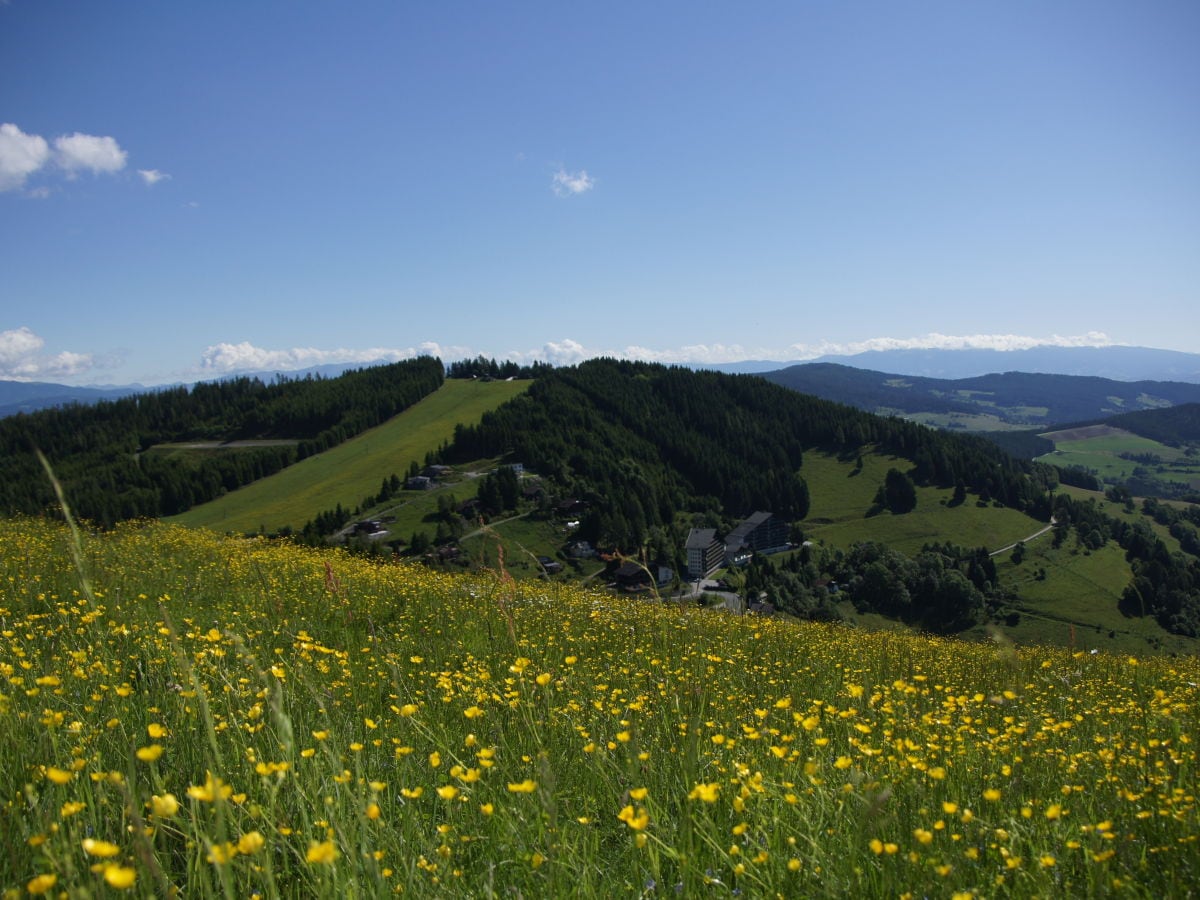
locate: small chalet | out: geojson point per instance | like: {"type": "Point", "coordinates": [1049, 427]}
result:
{"type": "Point", "coordinates": [634, 578]}
{"type": "Point", "coordinates": [549, 566]}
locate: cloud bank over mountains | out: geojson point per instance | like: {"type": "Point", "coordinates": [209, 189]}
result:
{"type": "Point", "coordinates": [23, 355]}
{"type": "Point", "coordinates": [226, 358]}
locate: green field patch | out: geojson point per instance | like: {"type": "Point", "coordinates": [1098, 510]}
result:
{"type": "Point", "coordinates": [840, 498]}
{"type": "Point", "coordinates": [351, 471]}
{"type": "Point", "coordinates": [1078, 601]}
{"type": "Point", "coordinates": [1099, 447]}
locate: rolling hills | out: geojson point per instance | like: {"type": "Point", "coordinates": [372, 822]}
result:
{"type": "Point", "coordinates": [987, 402]}
{"type": "Point", "coordinates": [643, 453]}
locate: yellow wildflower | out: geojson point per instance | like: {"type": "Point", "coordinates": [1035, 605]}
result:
{"type": "Point", "coordinates": [93, 847]}
{"type": "Point", "coordinates": [42, 883]}
{"type": "Point", "coordinates": [321, 853]}
{"type": "Point", "coordinates": [120, 877]}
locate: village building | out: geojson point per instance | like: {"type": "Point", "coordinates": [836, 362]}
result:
{"type": "Point", "coordinates": [705, 553]}
{"type": "Point", "coordinates": [762, 532]}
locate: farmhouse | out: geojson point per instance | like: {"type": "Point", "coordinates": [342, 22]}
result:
{"type": "Point", "coordinates": [634, 578]}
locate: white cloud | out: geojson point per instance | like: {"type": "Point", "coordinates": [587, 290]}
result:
{"type": "Point", "coordinates": [88, 151]}
{"type": "Point", "coordinates": [152, 176]}
{"type": "Point", "coordinates": [567, 184]}
{"type": "Point", "coordinates": [21, 358]}
{"type": "Point", "coordinates": [21, 155]}
{"type": "Point", "coordinates": [936, 341]}
{"type": "Point", "coordinates": [226, 358]}
{"type": "Point", "coordinates": [569, 352]}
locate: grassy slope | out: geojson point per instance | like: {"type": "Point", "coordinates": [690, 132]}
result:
{"type": "Point", "coordinates": [402, 732]}
{"type": "Point", "coordinates": [349, 472]}
{"type": "Point", "coordinates": [524, 539]}
{"type": "Point", "coordinates": [1080, 587]}
{"type": "Point", "coordinates": [840, 498]}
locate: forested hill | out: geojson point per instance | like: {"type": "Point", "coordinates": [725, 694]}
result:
{"type": "Point", "coordinates": [96, 451]}
{"type": "Point", "coordinates": [642, 441]}
{"type": "Point", "coordinates": [1177, 425]}
{"type": "Point", "coordinates": [1013, 397]}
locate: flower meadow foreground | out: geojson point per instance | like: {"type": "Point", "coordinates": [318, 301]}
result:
{"type": "Point", "coordinates": [185, 714]}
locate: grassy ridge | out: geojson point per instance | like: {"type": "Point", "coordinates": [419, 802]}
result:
{"type": "Point", "coordinates": [351, 471]}
{"type": "Point", "coordinates": [239, 717]}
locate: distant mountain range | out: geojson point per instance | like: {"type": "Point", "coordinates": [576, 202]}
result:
{"type": "Point", "coordinates": [1117, 363]}
{"type": "Point", "coordinates": [30, 396]}
{"type": "Point", "coordinates": [987, 401]}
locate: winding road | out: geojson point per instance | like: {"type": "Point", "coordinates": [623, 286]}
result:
{"type": "Point", "coordinates": [1036, 534]}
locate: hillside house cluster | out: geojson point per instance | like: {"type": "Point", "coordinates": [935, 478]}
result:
{"type": "Point", "coordinates": [762, 532]}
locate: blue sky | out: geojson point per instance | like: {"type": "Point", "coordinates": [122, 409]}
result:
{"type": "Point", "coordinates": [187, 189]}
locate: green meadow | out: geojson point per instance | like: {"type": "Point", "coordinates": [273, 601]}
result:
{"type": "Point", "coordinates": [841, 497]}
{"type": "Point", "coordinates": [192, 715]}
{"type": "Point", "coordinates": [351, 471]}
{"type": "Point", "coordinates": [1099, 449]}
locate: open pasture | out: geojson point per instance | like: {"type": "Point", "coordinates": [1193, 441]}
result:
{"type": "Point", "coordinates": [186, 713]}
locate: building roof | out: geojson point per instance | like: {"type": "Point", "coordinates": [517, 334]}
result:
{"type": "Point", "coordinates": [701, 538]}
{"type": "Point", "coordinates": [738, 535]}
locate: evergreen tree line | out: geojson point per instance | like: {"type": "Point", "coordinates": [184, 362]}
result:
{"type": "Point", "coordinates": [1173, 426]}
{"type": "Point", "coordinates": [482, 367]}
{"type": "Point", "coordinates": [97, 451]}
{"type": "Point", "coordinates": [642, 441]}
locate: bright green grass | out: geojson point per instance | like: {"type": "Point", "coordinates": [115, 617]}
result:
{"type": "Point", "coordinates": [840, 498]}
{"type": "Point", "coordinates": [211, 717]}
{"type": "Point", "coordinates": [353, 470]}
{"type": "Point", "coordinates": [416, 510]}
{"type": "Point", "coordinates": [1081, 589]}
